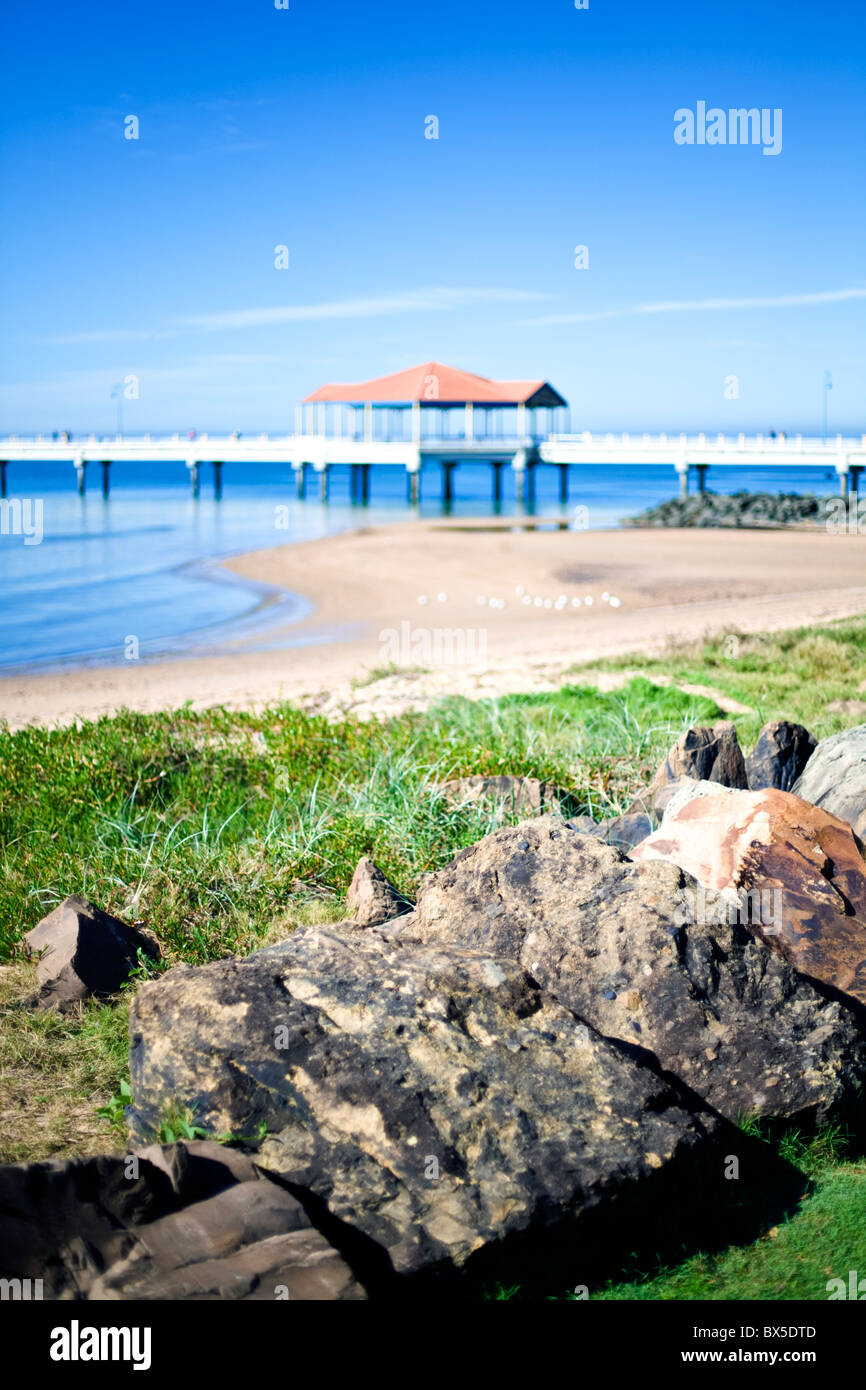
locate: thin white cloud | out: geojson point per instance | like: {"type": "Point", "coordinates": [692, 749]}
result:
{"type": "Point", "coordinates": [687, 306]}
{"type": "Point", "coordinates": [437, 299]}
{"type": "Point", "coordinates": [407, 302]}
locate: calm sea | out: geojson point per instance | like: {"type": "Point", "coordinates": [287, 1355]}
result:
{"type": "Point", "coordinates": [143, 561]}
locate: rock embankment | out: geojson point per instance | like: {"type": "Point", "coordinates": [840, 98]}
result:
{"type": "Point", "coordinates": [759, 509]}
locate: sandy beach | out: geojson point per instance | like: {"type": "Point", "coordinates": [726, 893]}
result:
{"type": "Point", "coordinates": [376, 603]}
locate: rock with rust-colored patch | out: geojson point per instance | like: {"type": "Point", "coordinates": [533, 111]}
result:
{"type": "Point", "coordinates": [633, 950]}
{"type": "Point", "coordinates": [773, 842]}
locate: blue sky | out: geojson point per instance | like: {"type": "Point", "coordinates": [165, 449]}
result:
{"type": "Point", "coordinates": [306, 128]}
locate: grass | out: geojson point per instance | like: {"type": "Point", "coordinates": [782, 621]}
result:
{"type": "Point", "coordinates": [223, 831]}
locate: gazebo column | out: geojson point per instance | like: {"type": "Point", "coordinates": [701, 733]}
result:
{"type": "Point", "coordinates": [416, 422]}
{"type": "Point", "coordinates": [521, 420]}
{"type": "Point", "coordinates": [469, 425]}
{"type": "Point", "coordinates": [368, 421]}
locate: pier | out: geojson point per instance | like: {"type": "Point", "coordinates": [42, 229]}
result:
{"type": "Point", "coordinates": [436, 416]}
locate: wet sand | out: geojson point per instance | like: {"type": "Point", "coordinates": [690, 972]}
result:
{"type": "Point", "coordinates": [365, 589]}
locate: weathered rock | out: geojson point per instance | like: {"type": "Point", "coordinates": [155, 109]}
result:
{"type": "Point", "coordinates": [852, 709]}
{"type": "Point", "coordinates": [709, 755]}
{"type": "Point", "coordinates": [780, 753]}
{"type": "Point", "coordinates": [835, 777]}
{"type": "Point", "coordinates": [436, 1100]}
{"type": "Point", "coordinates": [584, 825]}
{"type": "Point", "coordinates": [84, 951]}
{"type": "Point", "coordinates": [372, 898]}
{"type": "Point", "coordinates": [184, 1221]}
{"type": "Point", "coordinates": [518, 794]}
{"type": "Point", "coordinates": [625, 831]}
{"type": "Point", "coordinates": [629, 949]}
{"type": "Point", "coordinates": [775, 843]}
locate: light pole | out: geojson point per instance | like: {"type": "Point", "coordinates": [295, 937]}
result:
{"type": "Point", "coordinates": [828, 386]}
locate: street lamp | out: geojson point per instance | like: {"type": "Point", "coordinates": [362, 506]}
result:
{"type": "Point", "coordinates": [828, 386]}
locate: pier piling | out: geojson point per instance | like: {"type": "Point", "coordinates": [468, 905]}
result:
{"type": "Point", "coordinates": [2, 477]}
{"type": "Point", "coordinates": [413, 486]}
{"type": "Point", "coordinates": [80, 471]}
{"type": "Point", "coordinates": [563, 483]}
{"type": "Point", "coordinates": [193, 478]}
{"type": "Point", "coordinates": [217, 479]}
{"type": "Point", "coordinates": [106, 476]}
{"type": "Point", "coordinates": [301, 480]}
{"type": "Point", "coordinates": [702, 469]}
{"type": "Point", "coordinates": [448, 468]}
{"type": "Point", "coordinates": [497, 467]}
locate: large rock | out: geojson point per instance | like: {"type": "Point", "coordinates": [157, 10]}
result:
{"type": "Point", "coordinates": [185, 1221]}
{"type": "Point", "coordinates": [806, 864]}
{"type": "Point", "coordinates": [710, 755]}
{"type": "Point", "coordinates": [629, 948]}
{"type": "Point", "coordinates": [438, 1102]}
{"type": "Point", "coordinates": [835, 777]}
{"type": "Point", "coordinates": [780, 753]}
{"type": "Point", "coordinates": [84, 951]}
{"type": "Point", "coordinates": [372, 898]}
{"type": "Point", "coordinates": [517, 794]}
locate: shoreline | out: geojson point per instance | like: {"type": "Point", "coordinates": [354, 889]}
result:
{"type": "Point", "coordinates": [363, 587]}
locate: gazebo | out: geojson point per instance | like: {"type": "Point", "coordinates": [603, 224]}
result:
{"type": "Point", "coordinates": [430, 402]}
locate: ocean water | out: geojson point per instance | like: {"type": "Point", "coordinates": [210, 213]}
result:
{"type": "Point", "coordinates": [144, 562]}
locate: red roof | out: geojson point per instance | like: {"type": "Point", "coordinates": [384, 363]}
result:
{"type": "Point", "coordinates": [432, 383]}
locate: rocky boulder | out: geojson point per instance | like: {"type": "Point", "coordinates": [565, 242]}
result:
{"type": "Point", "coordinates": [710, 755]}
{"type": "Point", "coordinates": [807, 865]}
{"type": "Point", "coordinates": [437, 1102]}
{"type": "Point", "coordinates": [632, 950]}
{"type": "Point", "coordinates": [835, 777]}
{"type": "Point", "coordinates": [185, 1221]}
{"type": "Point", "coordinates": [84, 951]}
{"type": "Point", "coordinates": [372, 898]}
{"type": "Point", "coordinates": [780, 753]}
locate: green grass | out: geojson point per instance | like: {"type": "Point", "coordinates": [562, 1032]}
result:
{"type": "Point", "coordinates": [221, 831]}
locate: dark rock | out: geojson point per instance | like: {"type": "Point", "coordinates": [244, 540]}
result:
{"type": "Point", "coordinates": [185, 1221]}
{"type": "Point", "coordinates": [717, 1006]}
{"type": "Point", "coordinates": [809, 864]}
{"type": "Point", "coordinates": [624, 832]}
{"type": "Point", "coordinates": [755, 509]}
{"type": "Point", "coordinates": [517, 794]}
{"type": "Point", "coordinates": [584, 825]}
{"type": "Point", "coordinates": [779, 755]}
{"type": "Point", "coordinates": [84, 951]}
{"type": "Point", "coordinates": [437, 1101]}
{"type": "Point", "coordinates": [708, 755]}
{"type": "Point", "coordinates": [835, 777]}
{"type": "Point", "coordinates": [372, 898]}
